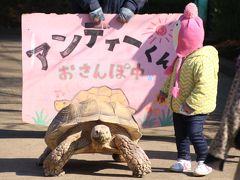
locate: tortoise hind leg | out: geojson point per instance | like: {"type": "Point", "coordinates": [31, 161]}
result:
{"type": "Point", "coordinates": [43, 156]}
{"type": "Point", "coordinates": [135, 157]}
{"type": "Point", "coordinates": [55, 161]}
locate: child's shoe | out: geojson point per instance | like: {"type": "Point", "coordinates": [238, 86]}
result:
{"type": "Point", "coordinates": [202, 169]}
{"type": "Point", "coordinates": [181, 166]}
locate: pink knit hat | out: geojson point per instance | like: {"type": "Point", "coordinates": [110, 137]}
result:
{"type": "Point", "coordinates": [190, 38]}
{"type": "Point", "coordinates": [191, 34]}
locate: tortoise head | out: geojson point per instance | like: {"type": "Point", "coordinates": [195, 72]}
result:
{"type": "Point", "coordinates": [101, 134]}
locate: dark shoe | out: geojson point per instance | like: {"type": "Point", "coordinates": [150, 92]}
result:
{"type": "Point", "coordinates": [215, 163]}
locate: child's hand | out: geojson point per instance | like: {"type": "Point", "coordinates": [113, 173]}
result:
{"type": "Point", "coordinates": [161, 98]}
{"type": "Point", "coordinates": [102, 25]}
{"type": "Point", "coordinates": [187, 108]}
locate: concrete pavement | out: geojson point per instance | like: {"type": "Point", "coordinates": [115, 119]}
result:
{"type": "Point", "coordinates": [21, 144]}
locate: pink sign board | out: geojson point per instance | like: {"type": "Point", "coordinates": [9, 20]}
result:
{"type": "Point", "coordinates": [63, 55]}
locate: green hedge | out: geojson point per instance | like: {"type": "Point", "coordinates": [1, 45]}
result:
{"type": "Point", "coordinates": [165, 6]}
{"type": "Point", "coordinates": [10, 14]}
{"type": "Point", "coordinates": [224, 21]}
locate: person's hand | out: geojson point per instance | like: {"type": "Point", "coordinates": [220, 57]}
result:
{"type": "Point", "coordinates": [125, 15]}
{"type": "Point", "coordinates": [100, 25]}
{"type": "Point", "coordinates": [161, 98]}
{"type": "Point", "coordinates": [186, 108]}
{"type": "Point", "coordinates": [97, 16]}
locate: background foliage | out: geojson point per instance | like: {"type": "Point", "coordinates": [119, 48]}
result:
{"type": "Point", "coordinates": [224, 17]}
{"type": "Point", "coordinates": [224, 27]}
{"type": "Point", "coordinates": [11, 10]}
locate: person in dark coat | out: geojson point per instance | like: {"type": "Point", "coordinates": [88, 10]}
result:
{"type": "Point", "coordinates": [96, 8]}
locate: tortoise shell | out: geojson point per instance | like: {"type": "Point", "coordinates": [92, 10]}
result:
{"type": "Point", "coordinates": [96, 104]}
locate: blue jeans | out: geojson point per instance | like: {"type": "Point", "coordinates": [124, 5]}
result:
{"type": "Point", "coordinates": [190, 129]}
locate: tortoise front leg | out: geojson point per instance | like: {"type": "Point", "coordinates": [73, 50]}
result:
{"type": "Point", "coordinates": [135, 157]}
{"type": "Point", "coordinates": [43, 156]}
{"type": "Point", "coordinates": [53, 164]}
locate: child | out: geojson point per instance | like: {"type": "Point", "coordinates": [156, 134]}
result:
{"type": "Point", "coordinates": [191, 89]}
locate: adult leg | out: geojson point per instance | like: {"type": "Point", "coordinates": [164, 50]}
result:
{"type": "Point", "coordinates": [230, 123]}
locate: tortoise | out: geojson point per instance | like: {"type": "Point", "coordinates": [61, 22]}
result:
{"type": "Point", "coordinates": [96, 121]}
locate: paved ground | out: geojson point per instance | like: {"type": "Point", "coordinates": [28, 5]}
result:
{"type": "Point", "coordinates": [21, 144]}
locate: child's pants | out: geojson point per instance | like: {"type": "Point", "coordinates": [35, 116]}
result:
{"type": "Point", "coordinates": [190, 128]}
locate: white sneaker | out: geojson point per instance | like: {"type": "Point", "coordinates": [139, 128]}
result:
{"type": "Point", "coordinates": [181, 166]}
{"type": "Point", "coordinates": [202, 170]}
